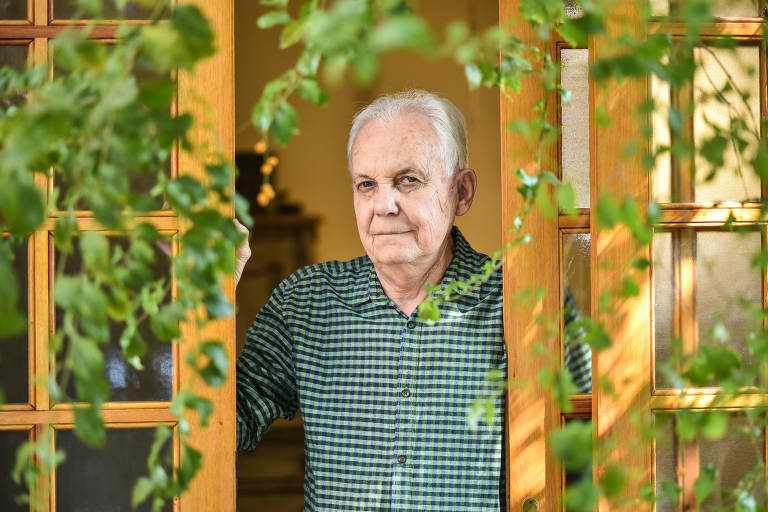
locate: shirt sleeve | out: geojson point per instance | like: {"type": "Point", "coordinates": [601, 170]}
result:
{"type": "Point", "coordinates": [266, 381]}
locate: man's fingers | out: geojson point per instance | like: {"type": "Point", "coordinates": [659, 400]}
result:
{"type": "Point", "coordinates": [243, 251]}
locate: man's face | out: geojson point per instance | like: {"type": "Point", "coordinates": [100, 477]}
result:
{"type": "Point", "coordinates": [404, 202]}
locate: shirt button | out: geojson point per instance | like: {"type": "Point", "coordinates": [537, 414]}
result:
{"type": "Point", "coordinates": [411, 324]}
{"type": "Point", "coordinates": [401, 459]}
{"type": "Point", "coordinates": [405, 393]}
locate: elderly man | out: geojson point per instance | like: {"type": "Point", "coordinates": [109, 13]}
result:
{"type": "Point", "coordinates": [383, 395]}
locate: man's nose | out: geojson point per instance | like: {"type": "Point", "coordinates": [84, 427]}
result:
{"type": "Point", "coordinates": [385, 201]}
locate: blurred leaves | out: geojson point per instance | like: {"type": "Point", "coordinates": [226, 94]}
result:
{"type": "Point", "coordinates": [99, 121]}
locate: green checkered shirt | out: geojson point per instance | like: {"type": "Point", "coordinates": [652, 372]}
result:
{"type": "Point", "coordinates": [383, 396]}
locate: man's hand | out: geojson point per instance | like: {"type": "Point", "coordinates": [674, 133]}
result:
{"type": "Point", "coordinates": [243, 252]}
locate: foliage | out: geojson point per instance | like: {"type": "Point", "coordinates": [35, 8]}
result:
{"type": "Point", "coordinates": [98, 121]}
{"type": "Point", "coordinates": [346, 35]}
{"type": "Point", "coordinates": [97, 131]}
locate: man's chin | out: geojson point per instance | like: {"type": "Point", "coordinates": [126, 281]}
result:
{"type": "Point", "coordinates": [392, 256]}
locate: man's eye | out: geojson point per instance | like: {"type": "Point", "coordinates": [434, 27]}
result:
{"type": "Point", "coordinates": [364, 185]}
{"type": "Point", "coordinates": [408, 180]}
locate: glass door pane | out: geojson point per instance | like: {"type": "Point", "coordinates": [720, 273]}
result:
{"type": "Point", "coordinates": [14, 350]}
{"type": "Point", "coordinates": [102, 479]}
{"type": "Point", "coordinates": [577, 355]}
{"type": "Point", "coordinates": [574, 77]}
{"type": "Point", "coordinates": [13, 9]}
{"type": "Point", "coordinates": [10, 440]}
{"type": "Point", "coordinates": [68, 9]}
{"type": "Point", "coordinates": [155, 381]}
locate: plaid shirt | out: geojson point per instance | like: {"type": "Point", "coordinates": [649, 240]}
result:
{"type": "Point", "coordinates": [383, 396]}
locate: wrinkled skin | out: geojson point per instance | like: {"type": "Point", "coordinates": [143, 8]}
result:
{"type": "Point", "coordinates": [405, 204]}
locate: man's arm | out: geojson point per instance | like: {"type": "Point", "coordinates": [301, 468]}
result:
{"type": "Point", "coordinates": [266, 383]}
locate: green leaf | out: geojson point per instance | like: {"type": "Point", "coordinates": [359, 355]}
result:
{"type": "Point", "coordinates": [157, 94]}
{"type": "Point", "coordinates": [308, 63]}
{"type": "Point", "coordinates": [182, 42]}
{"type": "Point", "coordinates": [705, 484]}
{"type": "Point", "coordinates": [165, 323]}
{"type": "Point", "coordinates": [217, 304]}
{"type": "Point", "coordinates": [141, 491]}
{"type": "Point", "coordinates": [473, 74]}
{"type": "Point", "coordinates": [596, 336]}
{"type": "Point", "coordinates": [284, 122]}
{"type": "Point", "coordinates": [204, 409]}
{"type": "Point", "coordinates": [95, 250]}
{"type": "Point", "coordinates": [89, 426]}
{"type": "Point", "coordinates": [310, 90]}
{"type": "Point", "coordinates": [641, 263]}
{"type": "Point", "coordinates": [11, 321]}
{"type": "Point", "coordinates": [544, 202]}
{"type": "Point", "coordinates": [274, 3]}
{"type": "Point", "coordinates": [542, 12]}
{"type": "Point", "coordinates": [715, 425]}
{"type": "Point", "coordinates": [608, 213]}
{"type": "Point", "coordinates": [602, 117]}
{"type": "Point", "coordinates": [629, 287]}
{"type": "Point", "coordinates": [573, 34]}
{"type": "Point", "coordinates": [672, 490]}
{"type": "Point", "coordinates": [292, 34]}
{"type": "Point", "coordinates": [191, 461]}
{"type": "Point", "coordinates": [581, 497]}
{"type": "Point", "coordinates": [572, 445]}
{"type": "Point", "coordinates": [63, 230]}
{"type": "Point", "coordinates": [273, 18]}
{"type": "Point", "coordinates": [21, 203]}
{"type": "Point", "coordinates": [566, 198]}
{"type": "Point", "coordinates": [401, 31]}
{"type": "Point", "coordinates": [185, 192]}
{"type": "Point", "coordinates": [528, 180]}
{"type": "Point", "coordinates": [262, 115]}
{"type": "Point", "coordinates": [429, 311]}
{"type": "Point", "coordinates": [613, 481]}
{"type": "Point", "coordinates": [222, 175]}
{"type": "Point", "coordinates": [215, 372]}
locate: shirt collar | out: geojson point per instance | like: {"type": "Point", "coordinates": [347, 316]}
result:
{"type": "Point", "coordinates": [464, 263]}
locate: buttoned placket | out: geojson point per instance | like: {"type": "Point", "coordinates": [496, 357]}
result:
{"type": "Point", "coordinates": [407, 367]}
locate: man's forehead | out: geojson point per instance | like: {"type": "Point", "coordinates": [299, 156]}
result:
{"type": "Point", "coordinates": [407, 141]}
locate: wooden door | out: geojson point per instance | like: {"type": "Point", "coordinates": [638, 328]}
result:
{"type": "Point", "coordinates": [103, 480]}
{"type": "Point", "coordinates": [697, 266]}
{"type": "Point", "coordinates": [557, 260]}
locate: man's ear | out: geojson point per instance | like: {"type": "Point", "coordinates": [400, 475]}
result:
{"type": "Point", "coordinates": [466, 184]}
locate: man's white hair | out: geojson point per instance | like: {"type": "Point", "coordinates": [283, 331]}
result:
{"type": "Point", "coordinates": [443, 115]}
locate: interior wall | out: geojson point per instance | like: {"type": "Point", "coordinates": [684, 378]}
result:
{"type": "Point", "coordinates": [313, 168]}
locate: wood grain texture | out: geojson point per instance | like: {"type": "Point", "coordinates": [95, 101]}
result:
{"type": "Point", "coordinates": [749, 27]}
{"type": "Point", "coordinates": [39, 12]}
{"type": "Point", "coordinates": [627, 364]}
{"type": "Point", "coordinates": [12, 31]}
{"type": "Point", "coordinates": [65, 416]}
{"type": "Point", "coordinates": [531, 414]}
{"type": "Point", "coordinates": [209, 96]}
